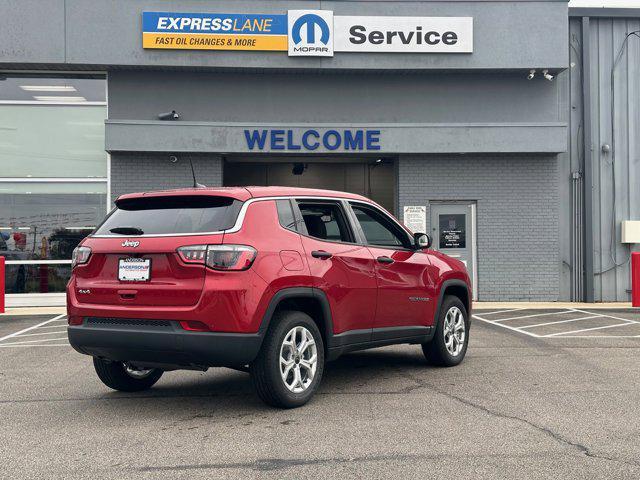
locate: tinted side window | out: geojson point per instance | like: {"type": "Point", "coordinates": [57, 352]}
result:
{"type": "Point", "coordinates": [285, 214]}
{"type": "Point", "coordinates": [326, 221]}
{"type": "Point", "coordinates": [378, 229]}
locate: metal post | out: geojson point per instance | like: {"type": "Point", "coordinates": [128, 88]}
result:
{"type": "Point", "coordinates": [635, 279]}
{"type": "Point", "coordinates": [588, 164]}
{"type": "Point", "coordinates": [1, 284]}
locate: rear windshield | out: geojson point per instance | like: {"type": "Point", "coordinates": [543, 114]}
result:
{"type": "Point", "coordinates": [166, 215]}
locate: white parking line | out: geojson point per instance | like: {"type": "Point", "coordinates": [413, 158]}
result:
{"type": "Point", "coordinates": [600, 336]}
{"type": "Point", "coordinates": [560, 321]}
{"type": "Point", "coordinates": [611, 316]}
{"type": "Point", "coordinates": [502, 311]}
{"type": "Point", "coordinates": [493, 322]}
{"type": "Point", "coordinates": [526, 330]}
{"type": "Point", "coordinates": [536, 315]}
{"type": "Point", "coordinates": [56, 332]}
{"type": "Point", "coordinates": [33, 341]}
{"type": "Point", "coordinates": [15, 334]}
{"type": "Point", "coordinates": [587, 329]}
{"type": "Point", "coordinates": [13, 345]}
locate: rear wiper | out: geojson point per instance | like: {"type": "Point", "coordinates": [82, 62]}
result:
{"type": "Point", "coordinates": [127, 231]}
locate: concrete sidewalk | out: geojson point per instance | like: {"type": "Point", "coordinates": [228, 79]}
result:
{"type": "Point", "coordinates": [19, 311]}
{"type": "Point", "coordinates": [551, 305]}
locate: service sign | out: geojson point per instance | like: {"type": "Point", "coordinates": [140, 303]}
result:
{"type": "Point", "coordinates": [214, 31]}
{"type": "Point", "coordinates": [306, 33]}
{"type": "Point", "coordinates": [403, 34]}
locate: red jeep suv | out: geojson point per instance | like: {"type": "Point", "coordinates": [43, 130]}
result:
{"type": "Point", "coordinates": [272, 280]}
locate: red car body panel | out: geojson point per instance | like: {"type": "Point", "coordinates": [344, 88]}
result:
{"type": "Point", "coordinates": [406, 278]}
{"type": "Point", "coordinates": [348, 279]}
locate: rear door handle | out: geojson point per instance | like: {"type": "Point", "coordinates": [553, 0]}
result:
{"type": "Point", "coordinates": [321, 254]}
{"type": "Point", "coordinates": [385, 259]}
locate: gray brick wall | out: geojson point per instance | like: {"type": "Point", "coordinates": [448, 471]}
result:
{"type": "Point", "coordinates": [134, 172]}
{"type": "Point", "coordinates": [517, 217]}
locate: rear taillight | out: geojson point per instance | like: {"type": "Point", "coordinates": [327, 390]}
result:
{"type": "Point", "coordinates": [80, 255]}
{"type": "Point", "coordinates": [219, 257]}
{"type": "Point", "coordinates": [193, 253]}
{"type": "Point", "coordinates": [230, 257]}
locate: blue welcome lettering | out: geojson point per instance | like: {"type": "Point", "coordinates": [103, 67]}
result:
{"type": "Point", "coordinates": [353, 142]}
{"type": "Point", "coordinates": [305, 139]}
{"type": "Point", "coordinates": [254, 137]}
{"type": "Point", "coordinates": [326, 140]}
{"type": "Point", "coordinates": [373, 137]}
{"type": "Point", "coordinates": [277, 139]}
{"type": "Point", "coordinates": [291, 145]}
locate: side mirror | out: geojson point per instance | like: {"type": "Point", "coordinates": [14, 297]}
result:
{"type": "Point", "coordinates": [421, 240]}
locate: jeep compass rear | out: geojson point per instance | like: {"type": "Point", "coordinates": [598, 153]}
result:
{"type": "Point", "coordinates": [268, 279]}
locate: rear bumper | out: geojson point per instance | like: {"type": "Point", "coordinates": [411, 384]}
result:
{"type": "Point", "coordinates": [162, 343]}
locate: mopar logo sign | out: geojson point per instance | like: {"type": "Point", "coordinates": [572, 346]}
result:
{"type": "Point", "coordinates": [310, 33]}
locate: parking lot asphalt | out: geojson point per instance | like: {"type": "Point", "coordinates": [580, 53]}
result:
{"type": "Point", "coordinates": [555, 404]}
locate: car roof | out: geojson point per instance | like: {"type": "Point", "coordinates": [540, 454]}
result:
{"type": "Point", "coordinates": [245, 193]}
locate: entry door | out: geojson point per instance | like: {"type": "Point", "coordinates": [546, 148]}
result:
{"type": "Point", "coordinates": [340, 267]}
{"type": "Point", "coordinates": [453, 228]}
{"type": "Point", "coordinates": [403, 281]}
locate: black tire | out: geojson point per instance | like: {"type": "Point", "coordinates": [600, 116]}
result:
{"type": "Point", "coordinates": [265, 369]}
{"type": "Point", "coordinates": [114, 375]}
{"type": "Point", "coordinates": [436, 350]}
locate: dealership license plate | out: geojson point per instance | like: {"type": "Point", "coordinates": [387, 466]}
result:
{"type": "Point", "coordinates": [134, 269]}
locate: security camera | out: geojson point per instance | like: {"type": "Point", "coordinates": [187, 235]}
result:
{"type": "Point", "coordinates": [532, 73]}
{"type": "Point", "coordinates": [547, 75]}
{"type": "Point", "coordinates": [173, 159]}
{"type": "Point", "coordinates": [172, 115]}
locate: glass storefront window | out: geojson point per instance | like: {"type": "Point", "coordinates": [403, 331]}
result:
{"type": "Point", "coordinates": [53, 174]}
{"type": "Point", "coordinates": [52, 141]}
{"type": "Point", "coordinates": [47, 221]}
{"type": "Point", "coordinates": [52, 126]}
{"type": "Point", "coordinates": [51, 88]}
{"type": "Point", "coordinates": [37, 278]}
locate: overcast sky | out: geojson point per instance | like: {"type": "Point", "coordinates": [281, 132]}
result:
{"type": "Point", "coordinates": [605, 3]}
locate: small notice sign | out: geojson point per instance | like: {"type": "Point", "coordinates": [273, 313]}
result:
{"type": "Point", "coordinates": [415, 218]}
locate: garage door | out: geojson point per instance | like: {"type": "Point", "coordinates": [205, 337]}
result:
{"type": "Point", "coordinates": [371, 178]}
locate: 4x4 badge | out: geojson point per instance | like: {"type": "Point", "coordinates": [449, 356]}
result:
{"type": "Point", "coordinates": [130, 243]}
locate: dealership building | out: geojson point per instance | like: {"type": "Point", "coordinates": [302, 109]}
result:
{"type": "Point", "coordinates": [508, 130]}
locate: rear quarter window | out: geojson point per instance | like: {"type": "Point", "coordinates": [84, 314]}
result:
{"type": "Point", "coordinates": [172, 215]}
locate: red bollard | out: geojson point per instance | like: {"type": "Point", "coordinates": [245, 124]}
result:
{"type": "Point", "coordinates": [1, 284]}
{"type": "Point", "coordinates": [635, 279]}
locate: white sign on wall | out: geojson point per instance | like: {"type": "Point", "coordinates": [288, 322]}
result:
{"type": "Point", "coordinates": [415, 218]}
{"type": "Point", "coordinates": [310, 33]}
{"type": "Point", "coordinates": [403, 34]}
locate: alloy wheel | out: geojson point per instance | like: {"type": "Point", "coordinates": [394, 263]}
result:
{"type": "Point", "coordinates": [454, 330]}
{"type": "Point", "coordinates": [135, 372]}
{"type": "Point", "coordinates": [298, 359]}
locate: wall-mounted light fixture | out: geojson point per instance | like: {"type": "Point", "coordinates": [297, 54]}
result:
{"type": "Point", "coordinates": [172, 115]}
{"type": "Point", "coordinates": [298, 168]}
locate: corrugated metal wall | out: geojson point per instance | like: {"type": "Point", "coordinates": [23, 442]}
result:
{"type": "Point", "coordinates": [615, 119]}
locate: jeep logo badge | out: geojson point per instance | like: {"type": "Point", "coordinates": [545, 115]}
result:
{"type": "Point", "coordinates": [130, 243]}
